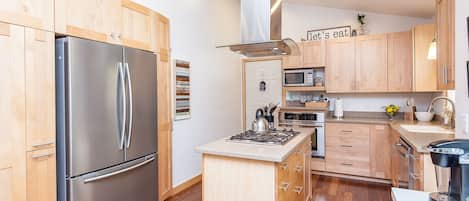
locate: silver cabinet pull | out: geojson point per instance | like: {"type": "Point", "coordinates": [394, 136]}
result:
{"type": "Point", "coordinates": [299, 168]}
{"type": "Point", "coordinates": [346, 131]}
{"type": "Point", "coordinates": [346, 164]}
{"type": "Point", "coordinates": [346, 146]}
{"type": "Point", "coordinates": [413, 176]}
{"type": "Point", "coordinates": [445, 73]}
{"type": "Point", "coordinates": [284, 166]}
{"type": "Point", "coordinates": [129, 82]}
{"type": "Point", "coordinates": [284, 186]}
{"type": "Point", "coordinates": [298, 189]}
{"type": "Point", "coordinates": [43, 144]}
{"type": "Point", "coordinates": [42, 155]}
{"type": "Point", "coordinates": [119, 172]}
{"type": "Point", "coordinates": [124, 99]}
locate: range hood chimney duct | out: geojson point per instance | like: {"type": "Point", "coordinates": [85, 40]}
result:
{"type": "Point", "coordinates": [261, 28]}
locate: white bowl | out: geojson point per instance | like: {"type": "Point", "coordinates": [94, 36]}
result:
{"type": "Point", "coordinates": [424, 116]}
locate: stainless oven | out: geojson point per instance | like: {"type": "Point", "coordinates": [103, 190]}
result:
{"type": "Point", "coordinates": [310, 119]}
{"type": "Point", "coordinates": [405, 177]}
{"type": "Point", "coordinates": [298, 78]}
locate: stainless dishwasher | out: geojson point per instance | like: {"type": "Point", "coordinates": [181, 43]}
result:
{"type": "Point", "coordinates": [406, 177]}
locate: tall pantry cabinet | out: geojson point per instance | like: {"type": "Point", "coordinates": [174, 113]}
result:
{"type": "Point", "coordinates": [27, 168]}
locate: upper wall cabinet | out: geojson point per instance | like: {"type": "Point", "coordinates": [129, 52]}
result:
{"type": "Point", "coordinates": [160, 37]}
{"type": "Point", "coordinates": [340, 61]}
{"type": "Point", "coordinates": [371, 63]}
{"type": "Point", "coordinates": [96, 20]}
{"type": "Point", "coordinates": [37, 14]}
{"type": "Point", "coordinates": [425, 72]}
{"type": "Point", "coordinates": [312, 54]}
{"type": "Point", "coordinates": [136, 25]}
{"type": "Point", "coordinates": [445, 44]}
{"type": "Point", "coordinates": [400, 59]}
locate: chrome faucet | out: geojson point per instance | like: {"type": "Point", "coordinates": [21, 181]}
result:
{"type": "Point", "coordinates": [448, 116]}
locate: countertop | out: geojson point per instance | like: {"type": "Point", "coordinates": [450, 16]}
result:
{"type": "Point", "coordinates": [271, 153]}
{"type": "Point", "coordinates": [418, 141]}
{"type": "Point", "coordinates": [399, 194]}
{"type": "Point", "coordinates": [358, 120]}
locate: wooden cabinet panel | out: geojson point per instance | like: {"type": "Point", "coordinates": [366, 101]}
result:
{"type": "Point", "coordinates": [340, 62]}
{"type": "Point", "coordinates": [314, 53]}
{"type": "Point", "coordinates": [294, 61]}
{"type": "Point", "coordinates": [37, 14]}
{"type": "Point", "coordinates": [400, 58]}
{"type": "Point", "coordinates": [346, 166]}
{"type": "Point", "coordinates": [160, 38]}
{"type": "Point", "coordinates": [318, 164]}
{"type": "Point", "coordinates": [380, 152]}
{"type": "Point", "coordinates": [445, 44]}
{"type": "Point", "coordinates": [395, 158]}
{"type": "Point", "coordinates": [371, 63]}
{"type": "Point", "coordinates": [12, 114]}
{"type": "Point", "coordinates": [41, 175]}
{"type": "Point", "coordinates": [96, 20]}
{"type": "Point", "coordinates": [136, 25]}
{"type": "Point", "coordinates": [425, 72]}
{"type": "Point", "coordinates": [40, 89]}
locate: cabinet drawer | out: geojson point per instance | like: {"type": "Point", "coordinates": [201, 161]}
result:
{"type": "Point", "coordinates": [355, 130]}
{"type": "Point", "coordinates": [353, 167]}
{"type": "Point", "coordinates": [348, 141]}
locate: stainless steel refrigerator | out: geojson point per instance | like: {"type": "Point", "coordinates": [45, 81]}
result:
{"type": "Point", "coordinates": [106, 122]}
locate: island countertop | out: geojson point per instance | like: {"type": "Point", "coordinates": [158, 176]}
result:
{"type": "Point", "coordinates": [271, 153]}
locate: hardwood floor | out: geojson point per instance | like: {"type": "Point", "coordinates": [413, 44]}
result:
{"type": "Point", "coordinates": [324, 189]}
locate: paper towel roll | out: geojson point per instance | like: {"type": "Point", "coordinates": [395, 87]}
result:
{"type": "Point", "coordinates": [339, 108]}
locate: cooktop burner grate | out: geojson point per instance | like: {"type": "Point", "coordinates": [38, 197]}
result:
{"type": "Point", "coordinates": [275, 137]}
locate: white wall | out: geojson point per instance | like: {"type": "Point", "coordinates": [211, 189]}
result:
{"type": "Point", "coordinates": [462, 55]}
{"type": "Point", "coordinates": [197, 26]}
{"type": "Point", "coordinates": [298, 18]}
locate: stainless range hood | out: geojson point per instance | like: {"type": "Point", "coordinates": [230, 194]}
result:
{"type": "Point", "coordinates": [261, 28]}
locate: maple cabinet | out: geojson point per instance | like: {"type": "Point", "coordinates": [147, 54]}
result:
{"type": "Point", "coordinates": [340, 62]}
{"type": "Point", "coordinates": [445, 44]}
{"type": "Point", "coordinates": [40, 89]}
{"type": "Point", "coordinates": [136, 25]}
{"type": "Point", "coordinates": [425, 71]}
{"type": "Point", "coordinates": [294, 61]}
{"type": "Point", "coordinates": [371, 63]}
{"type": "Point", "coordinates": [380, 151]}
{"type": "Point", "coordinates": [41, 175]}
{"type": "Point", "coordinates": [12, 114]}
{"type": "Point", "coordinates": [96, 20]}
{"type": "Point", "coordinates": [400, 61]}
{"type": "Point", "coordinates": [312, 54]}
{"type": "Point", "coordinates": [37, 14]}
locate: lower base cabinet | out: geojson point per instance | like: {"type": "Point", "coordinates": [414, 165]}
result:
{"type": "Point", "coordinates": [356, 149]}
{"type": "Point", "coordinates": [41, 175]}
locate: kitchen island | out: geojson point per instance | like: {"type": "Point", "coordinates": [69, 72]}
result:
{"type": "Point", "coordinates": [234, 171]}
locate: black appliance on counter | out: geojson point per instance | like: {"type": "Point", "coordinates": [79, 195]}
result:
{"type": "Point", "coordinates": [451, 160]}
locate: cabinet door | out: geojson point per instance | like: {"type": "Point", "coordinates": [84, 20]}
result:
{"type": "Point", "coordinates": [294, 61]}
{"type": "Point", "coordinates": [400, 60]}
{"type": "Point", "coordinates": [380, 152]}
{"type": "Point", "coordinates": [307, 171]}
{"type": "Point", "coordinates": [340, 62]}
{"type": "Point", "coordinates": [445, 44]}
{"type": "Point", "coordinates": [41, 175]}
{"type": "Point", "coordinates": [395, 158]}
{"type": "Point", "coordinates": [91, 19]}
{"type": "Point", "coordinates": [425, 72]}
{"type": "Point", "coordinates": [37, 14]}
{"type": "Point", "coordinates": [371, 61]}
{"type": "Point", "coordinates": [164, 127]}
{"type": "Point", "coordinates": [136, 25]}
{"type": "Point", "coordinates": [12, 114]}
{"type": "Point", "coordinates": [40, 89]}
{"type": "Point", "coordinates": [314, 53]}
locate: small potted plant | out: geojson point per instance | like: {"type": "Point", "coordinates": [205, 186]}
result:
{"type": "Point", "coordinates": [391, 110]}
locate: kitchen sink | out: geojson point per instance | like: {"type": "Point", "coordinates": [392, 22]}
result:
{"type": "Point", "coordinates": [427, 129]}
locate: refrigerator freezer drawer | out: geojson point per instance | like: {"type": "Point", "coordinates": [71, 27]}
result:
{"type": "Point", "coordinates": [132, 181]}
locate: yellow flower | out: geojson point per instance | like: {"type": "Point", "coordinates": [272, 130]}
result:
{"type": "Point", "coordinates": [389, 110]}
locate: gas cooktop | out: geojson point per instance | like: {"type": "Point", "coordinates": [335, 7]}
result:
{"type": "Point", "coordinates": [273, 137]}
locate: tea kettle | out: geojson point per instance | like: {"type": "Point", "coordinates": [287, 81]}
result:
{"type": "Point", "coordinates": [260, 124]}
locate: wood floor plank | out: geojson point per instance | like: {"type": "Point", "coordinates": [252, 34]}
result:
{"type": "Point", "coordinates": [324, 189]}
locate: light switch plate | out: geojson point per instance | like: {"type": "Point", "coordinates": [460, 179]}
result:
{"type": "Point", "coordinates": [466, 124]}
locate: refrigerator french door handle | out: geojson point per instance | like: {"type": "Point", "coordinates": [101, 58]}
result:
{"type": "Point", "coordinates": [124, 109]}
{"type": "Point", "coordinates": [104, 176]}
{"type": "Point", "coordinates": [129, 80]}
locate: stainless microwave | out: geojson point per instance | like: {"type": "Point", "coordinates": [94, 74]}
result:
{"type": "Point", "coordinates": [298, 78]}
